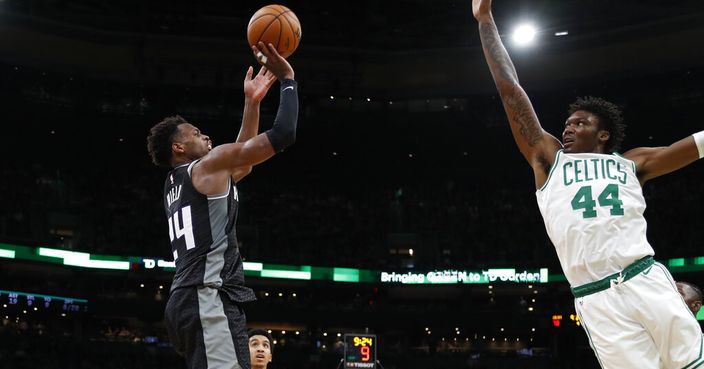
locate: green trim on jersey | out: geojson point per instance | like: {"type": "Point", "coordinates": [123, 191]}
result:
{"type": "Point", "coordinates": [552, 169]}
{"type": "Point", "coordinates": [632, 162]}
{"type": "Point", "coordinates": [631, 271]}
{"type": "Point", "coordinates": [697, 360]}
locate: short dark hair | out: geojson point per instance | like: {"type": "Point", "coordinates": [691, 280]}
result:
{"type": "Point", "coordinates": [610, 119]}
{"type": "Point", "coordinates": [697, 290]}
{"type": "Point", "coordinates": [262, 332]}
{"type": "Point", "coordinates": [160, 139]}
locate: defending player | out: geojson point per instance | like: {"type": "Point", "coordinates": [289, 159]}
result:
{"type": "Point", "coordinates": [204, 315]}
{"type": "Point", "coordinates": [592, 204]}
{"type": "Point", "coordinates": [691, 295]}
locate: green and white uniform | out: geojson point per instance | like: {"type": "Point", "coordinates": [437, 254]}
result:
{"type": "Point", "coordinates": [593, 205]}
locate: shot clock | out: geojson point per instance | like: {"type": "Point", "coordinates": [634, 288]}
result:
{"type": "Point", "coordinates": [360, 351]}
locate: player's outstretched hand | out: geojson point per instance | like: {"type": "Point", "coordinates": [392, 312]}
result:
{"type": "Point", "coordinates": [256, 88]}
{"type": "Point", "coordinates": [270, 58]}
{"type": "Point", "coordinates": [481, 8]}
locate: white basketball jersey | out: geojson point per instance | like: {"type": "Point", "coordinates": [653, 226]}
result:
{"type": "Point", "coordinates": [593, 208]}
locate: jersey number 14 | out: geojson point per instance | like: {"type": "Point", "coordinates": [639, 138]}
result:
{"type": "Point", "coordinates": [583, 199]}
{"type": "Point", "coordinates": [183, 229]}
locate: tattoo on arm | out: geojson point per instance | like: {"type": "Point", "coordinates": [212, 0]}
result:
{"type": "Point", "coordinates": [520, 112]}
{"type": "Point", "coordinates": [516, 103]}
{"type": "Point", "coordinates": [499, 61]}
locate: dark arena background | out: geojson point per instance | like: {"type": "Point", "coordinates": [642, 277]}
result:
{"type": "Point", "coordinates": [404, 212]}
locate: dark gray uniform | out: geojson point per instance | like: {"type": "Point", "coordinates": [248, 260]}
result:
{"type": "Point", "coordinates": [204, 315]}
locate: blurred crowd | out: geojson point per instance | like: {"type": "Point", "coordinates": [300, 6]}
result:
{"type": "Point", "coordinates": [361, 187]}
{"type": "Point", "coordinates": [448, 222]}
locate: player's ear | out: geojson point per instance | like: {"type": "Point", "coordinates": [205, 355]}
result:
{"type": "Point", "coordinates": [177, 147]}
{"type": "Point", "coordinates": [604, 136]}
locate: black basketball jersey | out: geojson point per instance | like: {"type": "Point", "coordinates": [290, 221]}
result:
{"type": "Point", "coordinates": [202, 233]}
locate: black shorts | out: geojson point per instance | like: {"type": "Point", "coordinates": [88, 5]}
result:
{"type": "Point", "coordinates": [207, 328]}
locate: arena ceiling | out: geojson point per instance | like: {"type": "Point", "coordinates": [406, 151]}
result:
{"type": "Point", "coordinates": [364, 24]}
{"type": "Point", "coordinates": [355, 46]}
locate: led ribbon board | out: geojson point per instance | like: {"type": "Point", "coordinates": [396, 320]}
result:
{"type": "Point", "coordinates": [467, 277]}
{"type": "Point", "coordinates": [307, 272]}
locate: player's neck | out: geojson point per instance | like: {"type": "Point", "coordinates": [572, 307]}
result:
{"type": "Point", "coordinates": [177, 162]}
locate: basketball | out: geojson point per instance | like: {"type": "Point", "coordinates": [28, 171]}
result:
{"type": "Point", "coordinates": [275, 24]}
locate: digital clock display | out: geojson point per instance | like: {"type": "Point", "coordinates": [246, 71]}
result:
{"type": "Point", "coordinates": [360, 351]}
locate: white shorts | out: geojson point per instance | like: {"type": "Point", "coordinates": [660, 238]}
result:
{"type": "Point", "coordinates": [642, 323]}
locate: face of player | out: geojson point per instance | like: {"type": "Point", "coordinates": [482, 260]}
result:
{"type": "Point", "coordinates": [192, 142]}
{"type": "Point", "coordinates": [259, 351]}
{"type": "Point", "coordinates": [582, 133]}
{"type": "Point", "coordinates": [690, 298]}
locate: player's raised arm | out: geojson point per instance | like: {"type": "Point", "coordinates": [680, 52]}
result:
{"type": "Point", "coordinates": [652, 162]}
{"type": "Point", "coordinates": [229, 158]}
{"type": "Point", "coordinates": [255, 88]}
{"type": "Point", "coordinates": [536, 145]}
{"type": "Point", "coordinates": [210, 174]}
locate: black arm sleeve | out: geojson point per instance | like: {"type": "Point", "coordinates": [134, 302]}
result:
{"type": "Point", "coordinates": [283, 133]}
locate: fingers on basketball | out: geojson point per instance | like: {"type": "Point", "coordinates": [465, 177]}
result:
{"type": "Point", "coordinates": [276, 25]}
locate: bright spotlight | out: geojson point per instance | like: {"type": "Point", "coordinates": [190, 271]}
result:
{"type": "Point", "coordinates": [524, 34]}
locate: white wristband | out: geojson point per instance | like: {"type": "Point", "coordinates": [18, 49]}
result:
{"type": "Point", "coordinates": [699, 140]}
